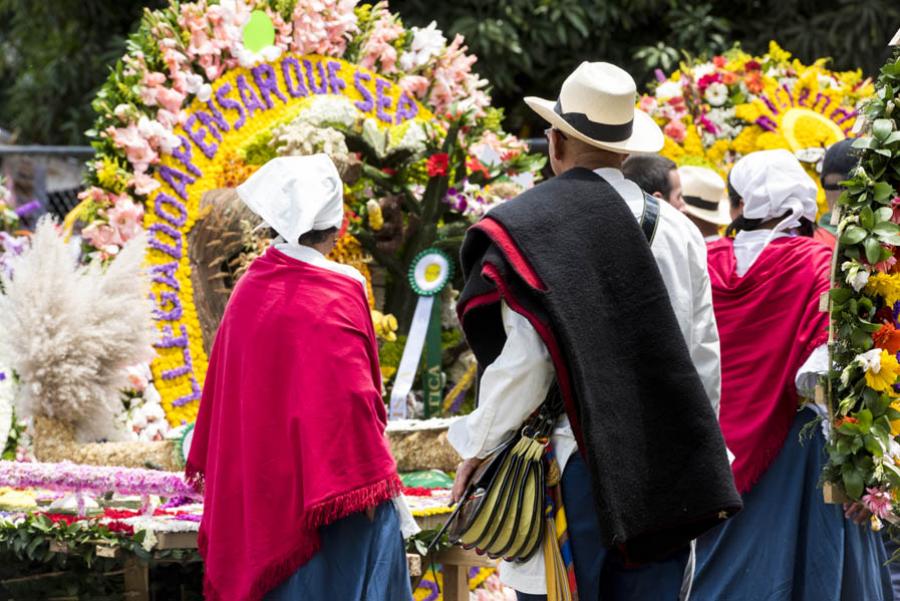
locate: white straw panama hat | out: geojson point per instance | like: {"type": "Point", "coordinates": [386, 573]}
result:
{"type": "Point", "coordinates": [704, 194]}
{"type": "Point", "coordinates": [596, 106]}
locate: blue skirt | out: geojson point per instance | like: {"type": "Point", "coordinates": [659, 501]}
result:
{"type": "Point", "coordinates": [360, 560]}
{"type": "Point", "coordinates": [787, 544]}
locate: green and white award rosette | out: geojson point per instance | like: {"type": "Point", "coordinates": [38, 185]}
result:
{"type": "Point", "coordinates": [429, 273]}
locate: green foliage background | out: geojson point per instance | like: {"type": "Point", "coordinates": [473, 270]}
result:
{"type": "Point", "coordinates": [55, 53]}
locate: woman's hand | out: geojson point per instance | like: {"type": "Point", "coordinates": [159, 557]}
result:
{"type": "Point", "coordinates": [857, 512]}
{"type": "Point", "coordinates": [464, 473]}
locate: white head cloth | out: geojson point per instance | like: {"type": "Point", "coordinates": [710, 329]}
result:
{"type": "Point", "coordinates": [772, 183]}
{"type": "Point", "coordinates": [296, 194]}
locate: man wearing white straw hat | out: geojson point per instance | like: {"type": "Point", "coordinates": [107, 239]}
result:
{"type": "Point", "coordinates": [564, 299]}
{"type": "Point", "coordinates": [705, 202]}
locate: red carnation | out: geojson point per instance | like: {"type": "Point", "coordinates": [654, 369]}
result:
{"type": "Point", "coordinates": [438, 164]}
{"type": "Point", "coordinates": [475, 166]}
{"type": "Point", "coordinates": [708, 79]}
{"type": "Point", "coordinates": [720, 61]}
{"type": "Point", "coordinates": [752, 65]}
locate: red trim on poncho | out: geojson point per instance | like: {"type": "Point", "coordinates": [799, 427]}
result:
{"type": "Point", "coordinates": [769, 324]}
{"type": "Point", "coordinates": [290, 435]}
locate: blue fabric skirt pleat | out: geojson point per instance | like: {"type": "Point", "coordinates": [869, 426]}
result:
{"type": "Point", "coordinates": [360, 560]}
{"type": "Point", "coordinates": [787, 543]}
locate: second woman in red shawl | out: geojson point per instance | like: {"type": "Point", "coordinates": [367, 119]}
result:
{"type": "Point", "coordinates": [787, 544]}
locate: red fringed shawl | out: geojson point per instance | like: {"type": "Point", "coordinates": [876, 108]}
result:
{"type": "Point", "coordinates": [290, 434]}
{"type": "Point", "coordinates": [769, 324]}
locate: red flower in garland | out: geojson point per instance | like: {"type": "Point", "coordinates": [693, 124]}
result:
{"type": "Point", "coordinates": [475, 166]}
{"type": "Point", "coordinates": [438, 164]}
{"type": "Point", "coordinates": [845, 420]}
{"type": "Point", "coordinates": [720, 61]}
{"type": "Point", "coordinates": [752, 66]}
{"type": "Point", "coordinates": [888, 338]}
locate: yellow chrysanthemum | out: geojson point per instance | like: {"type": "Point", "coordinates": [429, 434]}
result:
{"type": "Point", "coordinates": [771, 140]}
{"type": "Point", "coordinates": [716, 152]}
{"type": "Point", "coordinates": [777, 53]}
{"type": "Point", "coordinates": [895, 431]}
{"type": "Point", "coordinates": [671, 149]}
{"type": "Point", "coordinates": [749, 111]}
{"type": "Point", "coordinates": [884, 379]}
{"type": "Point", "coordinates": [693, 144]}
{"type": "Point", "coordinates": [886, 286]}
{"type": "Point", "coordinates": [745, 142]}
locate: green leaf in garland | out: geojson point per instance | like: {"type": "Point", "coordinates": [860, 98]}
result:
{"type": "Point", "coordinates": [867, 218]}
{"type": "Point", "coordinates": [882, 128]}
{"type": "Point", "coordinates": [864, 143]}
{"type": "Point", "coordinates": [873, 446]}
{"type": "Point", "coordinates": [861, 339]}
{"type": "Point", "coordinates": [886, 228]}
{"type": "Point", "coordinates": [884, 214]}
{"type": "Point", "coordinates": [841, 295]}
{"type": "Point", "coordinates": [853, 235]}
{"type": "Point", "coordinates": [883, 192]}
{"type": "Point", "coordinates": [853, 481]}
{"type": "Point", "coordinates": [865, 420]}
{"type": "Point", "coordinates": [873, 250]}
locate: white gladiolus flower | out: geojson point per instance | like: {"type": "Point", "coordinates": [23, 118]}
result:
{"type": "Point", "coordinates": [870, 360]}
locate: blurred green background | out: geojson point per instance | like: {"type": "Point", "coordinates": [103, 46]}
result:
{"type": "Point", "coordinates": [55, 53]}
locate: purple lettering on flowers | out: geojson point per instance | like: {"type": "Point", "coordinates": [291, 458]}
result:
{"type": "Point", "coordinates": [366, 104]}
{"type": "Point", "coordinates": [787, 92]}
{"type": "Point", "coordinates": [184, 154]}
{"type": "Point", "coordinates": [174, 249]}
{"type": "Point", "coordinates": [769, 103]}
{"type": "Point", "coordinates": [165, 274]}
{"type": "Point", "coordinates": [176, 179]}
{"type": "Point", "coordinates": [292, 65]}
{"type": "Point", "coordinates": [218, 117]}
{"type": "Point", "coordinates": [267, 82]}
{"type": "Point", "coordinates": [248, 96]}
{"type": "Point", "coordinates": [169, 340]}
{"type": "Point", "coordinates": [163, 199]}
{"type": "Point", "coordinates": [198, 136]}
{"type": "Point", "coordinates": [840, 115]}
{"type": "Point", "coordinates": [210, 123]}
{"type": "Point", "coordinates": [804, 94]}
{"type": "Point", "coordinates": [173, 314]}
{"type": "Point", "coordinates": [335, 83]}
{"type": "Point", "coordinates": [229, 104]}
{"type": "Point", "coordinates": [322, 88]}
{"type": "Point", "coordinates": [406, 108]}
{"type": "Point", "coordinates": [195, 387]}
{"type": "Point", "coordinates": [825, 104]}
{"type": "Point", "coordinates": [766, 123]}
{"type": "Point", "coordinates": [382, 101]}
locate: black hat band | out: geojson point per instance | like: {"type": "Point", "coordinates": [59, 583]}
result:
{"type": "Point", "coordinates": [603, 132]}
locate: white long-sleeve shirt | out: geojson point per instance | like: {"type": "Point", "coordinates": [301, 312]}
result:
{"type": "Point", "coordinates": [516, 383]}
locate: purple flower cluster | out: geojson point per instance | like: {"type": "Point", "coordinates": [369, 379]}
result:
{"type": "Point", "coordinates": [72, 477]}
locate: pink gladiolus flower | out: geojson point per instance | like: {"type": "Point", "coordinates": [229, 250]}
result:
{"type": "Point", "coordinates": [170, 99]}
{"type": "Point", "coordinates": [101, 236]}
{"type": "Point", "coordinates": [895, 204]}
{"type": "Point", "coordinates": [675, 130]}
{"type": "Point", "coordinates": [137, 148]}
{"type": "Point", "coordinates": [878, 502]}
{"type": "Point", "coordinates": [143, 184]}
{"type": "Point", "coordinates": [126, 218]}
{"type": "Point", "coordinates": [415, 85]}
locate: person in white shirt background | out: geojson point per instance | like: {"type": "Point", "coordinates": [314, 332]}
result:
{"type": "Point", "coordinates": [657, 176]}
{"type": "Point", "coordinates": [517, 381]}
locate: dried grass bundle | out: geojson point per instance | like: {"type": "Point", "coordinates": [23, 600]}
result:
{"type": "Point", "coordinates": [70, 331]}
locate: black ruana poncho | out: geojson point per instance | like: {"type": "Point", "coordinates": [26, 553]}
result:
{"type": "Point", "coordinates": [570, 256]}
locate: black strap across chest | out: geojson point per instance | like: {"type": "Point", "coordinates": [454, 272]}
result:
{"type": "Point", "coordinates": [650, 217]}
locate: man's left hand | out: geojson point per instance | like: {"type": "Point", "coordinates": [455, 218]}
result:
{"type": "Point", "coordinates": [463, 474]}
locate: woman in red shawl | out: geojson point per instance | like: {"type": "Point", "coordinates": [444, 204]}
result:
{"type": "Point", "coordinates": [289, 444]}
{"type": "Point", "coordinates": [786, 544]}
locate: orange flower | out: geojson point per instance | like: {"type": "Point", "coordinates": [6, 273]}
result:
{"type": "Point", "coordinates": [754, 82]}
{"type": "Point", "coordinates": [845, 420]}
{"type": "Point", "coordinates": [888, 338]}
{"type": "Point", "coordinates": [729, 78]}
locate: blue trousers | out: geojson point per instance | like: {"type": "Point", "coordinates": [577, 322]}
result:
{"type": "Point", "coordinates": [599, 571]}
{"type": "Point", "coordinates": [360, 560]}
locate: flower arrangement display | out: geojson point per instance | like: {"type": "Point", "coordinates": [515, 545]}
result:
{"type": "Point", "coordinates": [864, 448]}
{"type": "Point", "coordinates": [93, 479]}
{"type": "Point", "coordinates": [713, 112]}
{"type": "Point", "coordinates": [207, 92]}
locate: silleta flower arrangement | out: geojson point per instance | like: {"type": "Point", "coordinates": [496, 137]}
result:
{"type": "Point", "coordinates": [864, 449]}
{"type": "Point", "coordinates": [207, 92]}
{"type": "Point", "coordinates": [714, 112]}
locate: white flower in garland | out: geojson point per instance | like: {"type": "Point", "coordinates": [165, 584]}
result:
{"type": "Point", "coordinates": [870, 360]}
{"type": "Point", "coordinates": [856, 275]}
{"type": "Point", "coordinates": [668, 90]}
{"type": "Point", "coordinates": [330, 110]}
{"type": "Point", "coordinates": [716, 94]}
{"type": "Point", "coordinates": [427, 43]}
{"type": "Point", "coordinates": [7, 397]}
